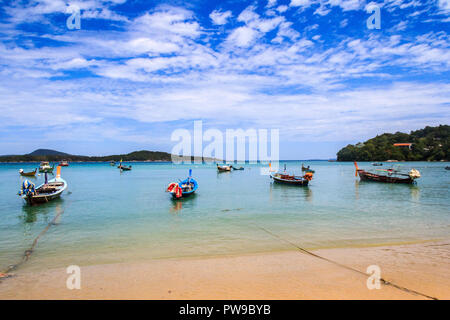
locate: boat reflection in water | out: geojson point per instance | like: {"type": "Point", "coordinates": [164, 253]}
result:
{"type": "Point", "coordinates": [47, 211]}
{"type": "Point", "coordinates": [186, 202]}
{"type": "Point", "coordinates": [287, 191]}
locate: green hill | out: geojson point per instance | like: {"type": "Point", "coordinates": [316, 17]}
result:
{"type": "Point", "coordinates": [428, 144]}
{"type": "Point", "coordinates": [47, 152]}
{"type": "Point", "coordinates": [54, 156]}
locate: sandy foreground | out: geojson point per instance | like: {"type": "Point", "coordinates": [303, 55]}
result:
{"type": "Point", "coordinates": [424, 268]}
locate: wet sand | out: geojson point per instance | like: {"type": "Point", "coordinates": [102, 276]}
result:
{"type": "Point", "coordinates": [286, 275]}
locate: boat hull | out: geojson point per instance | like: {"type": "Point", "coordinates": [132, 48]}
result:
{"type": "Point", "coordinates": [32, 200]}
{"type": "Point", "coordinates": [183, 194]}
{"type": "Point", "coordinates": [367, 176]}
{"type": "Point", "coordinates": [28, 174]}
{"type": "Point", "coordinates": [293, 182]}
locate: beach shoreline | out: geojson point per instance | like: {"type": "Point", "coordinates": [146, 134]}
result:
{"type": "Point", "coordinates": [420, 269]}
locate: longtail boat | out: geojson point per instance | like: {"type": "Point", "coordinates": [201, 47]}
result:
{"type": "Point", "coordinates": [377, 164]}
{"type": "Point", "coordinates": [184, 188]}
{"type": "Point", "coordinates": [45, 167]}
{"type": "Point", "coordinates": [307, 169]}
{"type": "Point", "coordinates": [122, 167]}
{"type": "Point", "coordinates": [224, 168]}
{"type": "Point", "coordinates": [46, 192]}
{"type": "Point", "coordinates": [63, 163]}
{"type": "Point", "coordinates": [27, 174]}
{"type": "Point", "coordinates": [292, 179]}
{"type": "Point", "coordinates": [390, 176]}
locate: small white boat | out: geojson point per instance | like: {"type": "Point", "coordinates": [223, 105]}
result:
{"type": "Point", "coordinates": [46, 192]}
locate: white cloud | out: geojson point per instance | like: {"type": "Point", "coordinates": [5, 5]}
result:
{"type": "Point", "coordinates": [346, 5]}
{"type": "Point", "coordinates": [401, 26]}
{"type": "Point", "coordinates": [300, 3]}
{"type": "Point", "coordinates": [248, 14]}
{"type": "Point", "coordinates": [322, 10]}
{"type": "Point", "coordinates": [282, 8]}
{"type": "Point", "coordinates": [444, 5]}
{"type": "Point", "coordinates": [271, 3]}
{"type": "Point", "coordinates": [243, 36]}
{"type": "Point", "coordinates": [142, 45]}
{"type": "Point", "coordinates": [170, 20]}
{"type": "Point", "coordinates": [219, 17]}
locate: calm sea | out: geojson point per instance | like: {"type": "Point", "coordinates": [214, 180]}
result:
{"type": "Point", "coordinates": [109, 216]}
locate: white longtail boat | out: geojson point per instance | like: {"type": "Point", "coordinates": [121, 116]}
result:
{"type": "Point", "coordinates": [46, 192]}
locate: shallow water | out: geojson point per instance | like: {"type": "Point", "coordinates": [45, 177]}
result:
{"type": "Point", "coordinates": [108, 216]}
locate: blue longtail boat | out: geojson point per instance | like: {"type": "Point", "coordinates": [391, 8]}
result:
{"type": "Point", "coordinates": [184, 188]}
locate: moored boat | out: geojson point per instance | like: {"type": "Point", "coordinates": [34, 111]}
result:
{"type": "Point", "coordinates": [184, 188]}
{"type": "Point", "coordinates": [377, 164]}
{"type": "Point", "coordinates": [240, 168]}
{"type": "Point", "coordinates": [122, 167]}
{"type": "Point", "coordinates": [224, 168]}
{"type": "Point", "coordinates": [63, 163]}
{"type": "Point", "coordinates": [292, 179]}
{"type": "Point", "coordinates": [46, 192]}
{"type": "Point", "coordinates": [45, 167]}
{"type": "Point", "coordinates": [390, 176]}
{"type": "Point", "coordinates": [112, 163]}
{"type": "Point", "coordinates": [307, 169]}
{"type": "Point", "coordinates": [27, 174]}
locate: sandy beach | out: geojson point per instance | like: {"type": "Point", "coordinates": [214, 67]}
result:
{"type": "Point", "coordinates": [422, 268]}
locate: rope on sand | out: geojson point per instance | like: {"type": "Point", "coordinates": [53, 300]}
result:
{"type": "Point", "coordinates": [383, 281]}
{"type": "Point", "coordinates": [5, 274]}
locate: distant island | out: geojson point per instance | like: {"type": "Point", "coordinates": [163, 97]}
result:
{"type": "Point", "coordinates": [428, 144]}
{"type": "Point", "coordinates": [55, 156]}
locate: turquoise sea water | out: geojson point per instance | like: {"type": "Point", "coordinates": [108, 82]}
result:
{"type": "Point", "coordinates": [110, 216]}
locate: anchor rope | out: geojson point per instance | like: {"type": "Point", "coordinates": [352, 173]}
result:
{"type": "Point", "coordinates": [28, 252]}
{"type": "Point", "coordinates": [383, 281]}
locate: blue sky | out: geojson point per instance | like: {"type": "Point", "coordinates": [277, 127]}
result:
{"type": "Point", "coordinates": [137, 70]}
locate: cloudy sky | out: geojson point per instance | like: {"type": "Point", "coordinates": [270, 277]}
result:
{"type": "Point", "coordinates": [136, 70]}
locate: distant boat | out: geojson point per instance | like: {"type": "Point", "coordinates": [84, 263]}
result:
{"type": "Point", "coordinates": [184, 188]}
{"type": "Point", "coordinates": [224, 168]}
{"type": "Point", "coordinates": [27, 174]}
{"type": "Point", "coordinates": [447, 168]}
{"type": "Point", "coordinates": [45, 167]}
{"type": "Point", "coordinates": [112, 163]}
{"type": "Point", "coordinates": [307, 169]}
{"type": "Point", "coordinates": [292, 179]}
{"type": "Point", "coordinates": [240, 168]}
{"type": "Point", "coordinates": [63, 163]}
{"type": "Point", "coordinates": [46, 192]}
{"type": "Point", "coordinates": [122, 167]}
{"type": "Point", "coordinates": [391, 176]}
{"type": "Point", "coordinates": [377, 164]}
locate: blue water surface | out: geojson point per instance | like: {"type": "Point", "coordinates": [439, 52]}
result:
{"type": "Point", "coordinates": [108, 216]}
